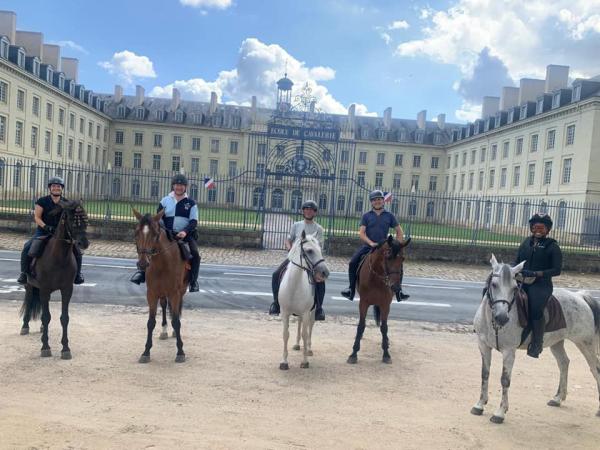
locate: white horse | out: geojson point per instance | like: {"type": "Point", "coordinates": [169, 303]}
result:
{"type": "Point", "coordinates": [296, 293]}
{"type": "Point", "coordinates": [497, 326]}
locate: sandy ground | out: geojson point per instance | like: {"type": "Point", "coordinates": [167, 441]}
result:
{"type": "Point", "coordinates": [230, 392]}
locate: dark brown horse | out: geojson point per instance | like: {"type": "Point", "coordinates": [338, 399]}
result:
{"type": "Point", "coordinates": [380, 276]}
{"type": "Point", "coordinates": [55, 270]}
{"type": "Point", "coordinates": [167, 276]}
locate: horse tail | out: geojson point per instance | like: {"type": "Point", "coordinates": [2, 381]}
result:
{"type": "Point", "coordinates": [31, 302]}
{"type": "Point", "coordinates": [377, 315]}
{"type": "Point", "coordinates": [595, 307]}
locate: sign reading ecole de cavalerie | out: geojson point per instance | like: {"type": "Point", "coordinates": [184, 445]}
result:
{"type": "Point", "coordinates": [313, 134]}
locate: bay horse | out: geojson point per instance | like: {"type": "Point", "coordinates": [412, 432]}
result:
{"type": "Point", "coordinates": [55, 270]}
{"type": "Point", "coordinates": [497, 326]}
{"type": "Point", "coordinates": [167, 277]}
{"type": "Point", "coordinates": [297, 292]}
{"type": "Point", "coordinates": [380, 276]}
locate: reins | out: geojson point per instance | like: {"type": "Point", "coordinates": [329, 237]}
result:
{"type": "Point", "coordinates": [310, 267]}
{"type": "Point", "coordinates": [492, 301]}
{"type": "Point", "coordinates": [386, 277]}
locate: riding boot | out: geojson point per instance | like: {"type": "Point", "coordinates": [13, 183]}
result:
{"type": "Point", "coordinates": [351, 290]}
{"type": "Point", "coordinates": [194, 275]}
{"type": "Point", "coordinates": [537, 339]}
{"type": "Point", "coordinates": [25, 262]}
{"type": "Point", "coordinates": [319, 296]}
{"type": "Point", "coordinates": [79, 259]}
{"type": "Point", "coordinates": [274, 309]}
{"type": "Point", "coordinates": [138, 277]}
{"type": "Point", "coordinates": [401, 295]}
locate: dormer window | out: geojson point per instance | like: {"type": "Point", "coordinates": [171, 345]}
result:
{"type": "Point", "coordinates": [540, 106]}
{"type": "Point", "coordinates": [4, 48]}
{"type": "Point", "coordinates": [72, 89]}
{"type": "Point", "coordinates": [556, 100]}
{"type": "Point", "coordinates": [576, 93]}
{"type": "Point", "coordinates": [49, 75]}
{"type": "Point", "coordinates": [382, 135]}
{"type": "Point", "coordinates": [403, 135]}
{"type": "Point", "coordinates": [437, 138]}
{"type": "Point", "coordinates": [35, 67]}
{"type": "Point", "coordinates": [419, 136]}
{"type": "Point", "coordinates": [121, 111]}
{"type": "Point", "coordinates": [237, 121]}
{"type": "Point", "coordinates": [511, 116]}
{"type": "Point", "coordinates": [61, 81]}
{"type": "Point", "coordinates": [160, 115]}
{"type": "Point", "coordinates": [178, 116]}
{"type": "Point", "coordinates": [364, 133]}
{"type": "Point", "coordinates": [523, 114]}
{"type": "Point", "coordinates": [21, 58]}
{"type": "Point", "coordinates": [140, 113]}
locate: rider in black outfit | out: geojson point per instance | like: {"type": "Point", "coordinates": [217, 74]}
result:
{"type": "Point", "coordinates": [543, 260]}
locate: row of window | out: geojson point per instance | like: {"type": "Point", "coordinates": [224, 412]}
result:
{"type": "Point", "coordinates": [398, 159]}
{"type": "Point", "coordinates": [177, 142]}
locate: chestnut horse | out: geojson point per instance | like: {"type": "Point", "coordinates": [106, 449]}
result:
{"type": "Point", "coordinates": [380, 276]}
{"type": "Point", "coordinates": [166, 276]}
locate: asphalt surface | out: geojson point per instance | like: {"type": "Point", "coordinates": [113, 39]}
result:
{"type": "Point", "coordinates": [249, 288]}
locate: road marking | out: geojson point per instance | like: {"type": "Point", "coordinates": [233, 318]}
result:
{"type": "Point", "coordinates": [246, 274]}
{"type": "Point", "coordinates": [8, 280]}
{"type": "Point", "coordinates": [433, 287]}
{"type": "Point", "coordinates": [405, 302]}
{"type": "Point", "coordinates": [88, 284]}
{"type": "Point", "coordinates": [263, 294]}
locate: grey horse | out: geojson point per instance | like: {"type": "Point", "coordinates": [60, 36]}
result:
{"type": "Point", "coordinates": [497, 326]}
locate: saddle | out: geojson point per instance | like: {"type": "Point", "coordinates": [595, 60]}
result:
{"type": "Point", "coordinates": [360, 264]}
{"type": "Point", "coordinates": [555, 318]}
{"type": "Point", "coordinates": [184, 247]}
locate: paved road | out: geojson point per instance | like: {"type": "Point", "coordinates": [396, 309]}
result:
{"type": "Point", "coordinates": [243, 287]}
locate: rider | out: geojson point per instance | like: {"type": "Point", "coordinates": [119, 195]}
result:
{"type": "Point", "coordinates": [309, 226]}
{"type": "Point", "coordinates": [543, 260]}
{"type": "Point", "coordinates": [374, 228]}
{"type": "Point", "coordinates": [47, 221]}
{"type": "Point", "coordinates": [181, 217]}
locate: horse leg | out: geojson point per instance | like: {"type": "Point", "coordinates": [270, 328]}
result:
{"type": "Point", "coordinates": [64, 321]}
{"type": "Point", "coordinates": [298, 335]}
{"type": "Point", "coordinates": [26, 319]}
{"type": "Point", "coordinates": [362, 321]}
{"type": "Point", "coordinates": [176, 323]}
{"type": "Point", "coordinates": [486, 361]}
{"type": "Point", "coordinates": [311, 324]}
{"type": "Point", "coordinates": [558, 350]}
{"type": "Point", "coordinates": [152, 303]}
{"type": "Point", "coordinates": [305, 323]}
{"type": "Point", "coordinates": [589, 352]}
{"type": "Point", "coordinates": [508, 359]}
{"type": "Point", "coordinates": [164, 334]}
{"type": "Point", "coordinates": [45, 299]}
{"type": "Point", "coordinates": [385, 342]}
{"type": "Point", "coordinates": [286, 335]}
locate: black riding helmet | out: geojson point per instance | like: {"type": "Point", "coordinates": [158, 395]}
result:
{"type": "Point", "coordinates": [310, 204]}
{"type": "Point", "coordinates": [375, 194]}
{"type": "Point", "coordinates": [56, 180]}
{"type": "Point", "coordinates": [179, 179]}
{"type": "Point", "coordinates": [541, 218]}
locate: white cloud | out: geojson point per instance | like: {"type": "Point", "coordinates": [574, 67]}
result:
{"type": "Point", "coordinates": [256, 73]}
{"type": "Point", "coordinates": [70, 44]}
{"type": "Point", "coordinates": [128, 66]}
{"type": "Point", "coordinates": [399, 25]}
{"type": "Point", "coordinates": [216, 4]}
{"type": "Point", "coordinates": [468, 111]}
{"type": "Point", "coordinates": [386, 37]}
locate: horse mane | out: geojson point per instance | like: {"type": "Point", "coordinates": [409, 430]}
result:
{"type": "Point", "coordinates": [396, 248]}
{"type": "Point", "coordinates": [146, 219]}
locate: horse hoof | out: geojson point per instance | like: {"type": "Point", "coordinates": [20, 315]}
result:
{"type": "Point", "coordinates": [476, 411]}
{"type": "Point", "coordinates": [284, 366]}
{"type": "Point", "coordinates": [66, 355]}
{"type": "Point", "coordinates": [296, 347]}
{"type": "Point", "coordinates": [144, 359]}
{"type": "Point", "coordinates": [164, 335]}
{"type": "Point", "coordinates": [46, 353]}
{"type": "Point", "coordinates": [553, 403]}
{"type": "Point", "coordinates": [386, 359]}
{"type": "Point", "coordinates": [304, 365]}
{"type": "Point", "coordinates": [180, 358]}
{"type": "Point", "coordinates": [309, 353]}
{"type": "Point", "coordinates": [496, 419]}
{"type": "Point", "coordinates": [24, 331]}
{"type": "Point", "coordinates": [352, 359]}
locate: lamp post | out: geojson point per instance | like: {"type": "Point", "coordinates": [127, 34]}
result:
{"type": "Point", "coordinates": [108, 193]}
{"type": "Point", "coordinates": [412, 202]}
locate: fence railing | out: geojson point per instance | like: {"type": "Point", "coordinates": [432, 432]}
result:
{"type": "Point", "coordinates": [240, 200]}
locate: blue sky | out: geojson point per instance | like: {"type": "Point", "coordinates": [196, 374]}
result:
{"type": "Point", "coordinates": [411, 55]}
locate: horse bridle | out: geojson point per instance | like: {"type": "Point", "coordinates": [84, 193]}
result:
{"type": "Point", "coordinates": [492, 301]}
{"type": "Point", "coordinates": [68, 232]}
{"type": "Point", "coordinates": [310, 267]}
{"type": "Point", "coordinates": [153, 251]}
{"type": "Point", "coordinates": [386, 277]}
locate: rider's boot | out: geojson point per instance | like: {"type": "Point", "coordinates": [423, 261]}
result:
{"type": "Point", "coordinates": [79, 259]}
{"type": "Point", "coordinates": [350, 291]}
{"type": "Point", "coordinates": [537, 340]}
{"type": "Point", "coordinates": [194, 287]}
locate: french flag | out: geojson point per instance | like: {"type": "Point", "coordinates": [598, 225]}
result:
{"type": "Point", "coordinates": [209, 183]}
{"type": "Point", "coordinates": [387, 197]}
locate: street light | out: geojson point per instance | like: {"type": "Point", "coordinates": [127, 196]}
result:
{"type": "Point", "coordinates": [108, 188]}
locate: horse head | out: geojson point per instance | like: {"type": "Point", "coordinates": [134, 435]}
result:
{"type": "Point", "coordinates": [501, 287]}
{"type": "Point", "coordinates": [75, 221]}
{"type": "Point", "coordinates": [307, 251]}
{"type": "Point", "coordinates": [392, 260]}
{"type": "Point", "coordinates": [147, 235]}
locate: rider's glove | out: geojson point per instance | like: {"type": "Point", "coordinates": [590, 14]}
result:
{"type": "Point", "coordinates": [528, 273]}
{"type": "Point", "coordinates": [49, 229]}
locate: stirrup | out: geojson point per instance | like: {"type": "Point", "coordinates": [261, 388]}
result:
{"type": "Point", "coordinates": [274, 309]}
{"type": "Point", "coordinates": [22, 278]}
{"type": "Point", "coordinates": [194, 287]}
{"type": "Point", "coordinates": [78, 279]}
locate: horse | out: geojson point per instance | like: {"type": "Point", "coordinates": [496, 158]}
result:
{"type": "Point", "coordinates": [380, 276]}
{"type": "Point", "coordinates": [55, 270]}
{"type": "Point", "coordinates": [296, 293]}
{"type": "Point", "coordinates": [497, 326]}
{"type": "Point", "coordinates": [167, 277]}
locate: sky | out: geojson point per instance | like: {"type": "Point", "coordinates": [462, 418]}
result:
{"type": "Point", "coordinates": [442, 56]}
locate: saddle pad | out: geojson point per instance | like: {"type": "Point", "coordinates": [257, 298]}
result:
{"type": "Point", "coordinates": [184, 250]}
{"type": "Point", "coordinates": [556, 318]}
{"type": "Point", "coordinates": [363, 258]}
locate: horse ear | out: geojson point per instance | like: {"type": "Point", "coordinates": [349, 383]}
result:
{"type": "Point", "coordinates": [156, 217]}
{"type": "Point", "coordinates": [390, 239]}
{"type": "Point", "coordinates": [494, 262]}
{"type": "Point", "coordinates": [303, 235]}
{"type": "Point", "coordinates": [136, 213]}
{"type": "Point", "coordinates": [515, 270]}
{"type": "Point", "coordinates": [406, 242]}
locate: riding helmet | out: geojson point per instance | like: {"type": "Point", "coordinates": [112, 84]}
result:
{"type": "Point", "coordinates": [310, 204]}
{"type": "Point", "coordinates": [179, 179]}
{"type": "Point", "coordinates": [541, 218]}
{"type": "Point", "coordinates": [56, 180]}
{"type": "Point", "coordinates": [375, 194]}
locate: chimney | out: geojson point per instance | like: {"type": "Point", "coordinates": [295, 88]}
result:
{"type": "Point", "coordinates": [175, 99]}
{"type": "Point", "coordinates": [253, 108]}
{"type": "Point", "coordinates": [509, 97]}
{"type": "Point", "coordinates": [387, 118]}
{"type": "Point", "coordinates": [441, 121]}
{"type": "Point", "coordinates": [32, 41]}
{"type": "Point", "coordinates": [530, 89]}
{"type": "Point", "coordinates": [70, 66]}
{"type": "Point", "coordinates": [213, 102]}
{"type": "Point", "coordinates": [139, 95]}
{"type": "Point", "coordinates": [421, 119]}
{"type": "Point", "coordinates": [52, 56]}
{"type": "Point", "coordinates": [351, 116]}
{"type": "Point", "coordinates": [490, 106]}
{"type": "Point", "coordinates": [8, 25]}
{"type": "Point", "coordinates": [118, 93]}
{"type": "Point", "coordinates": [557, 77]}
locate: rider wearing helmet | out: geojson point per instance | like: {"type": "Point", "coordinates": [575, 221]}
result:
{"type": "Point", "coordinates": [47, 221]}
{"type": "Point", "coordinates": [309, 226]}
{"type": "Point", "coordinates": [180, 217]}
{"type": "Point", "coordinates": [374, 228]}
{"type": "Point", "coordinates": [543, 260]}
